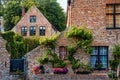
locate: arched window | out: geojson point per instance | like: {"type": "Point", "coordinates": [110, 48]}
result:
{"type": "Point", "coordinates": [62, 53]}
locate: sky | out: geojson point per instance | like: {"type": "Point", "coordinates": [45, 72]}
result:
{"type": "Point", "coordinates": [63, 4]}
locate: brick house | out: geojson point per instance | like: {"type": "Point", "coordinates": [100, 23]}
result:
{"type": "Point", "coordinates": [103, 18]}
{"type": "Point", "coordinates": [33, 23]}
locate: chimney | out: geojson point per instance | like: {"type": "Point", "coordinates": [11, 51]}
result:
{"type": "Point", "coordinates": [23, 11]}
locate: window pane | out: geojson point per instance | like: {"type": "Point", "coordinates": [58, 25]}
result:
{"type": "Point", "coordinates": [32, 19]}
{"type": "Point", "coordinates": [42, 30]}
{"type": "Point", "coordinates": [109, 20]}
{"type": "Point", "coordinates": [109, 8]}
{"type": "Point", "coordinates": [103, 50]}
{"type": "Point", "coordinates": [24, 31]}
{"type": "Point", "coordinates": [95, 51]}
{"type": "Point", "coordinates": [93, 61]}
{"type": "Point", "coordinates": [117, 8]}
{"type": "Point", "coordinates": [32, 30]}
{"type": "Point", "coordinates": [103, 60]}
{"type": "Point", "coordinates": [62, 53]}
{"type": "Point", "coordinates": [117, 20]}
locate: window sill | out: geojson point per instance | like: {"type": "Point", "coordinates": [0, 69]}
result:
{"type": "Point", "coordinates": [113, 28]}
{"type": "Point", "coordinates": [16, 73]}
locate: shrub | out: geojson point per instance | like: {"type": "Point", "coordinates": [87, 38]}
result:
{"type": "Point", "coordinates": [15, 44]}
{"type": "Point", "coordinates": [114, 64]}
{"type": "Point", "coordinates": [43, 60]}
{"type": "Point", "coordinates": [75, 64]}
{"type": "Point", "coordinates": [116, 52]}
{"type": "Point", "coordinates": [49, 42]}
{"type": "Point", "coordinates": [82, 37]}
{"type": "Point", "coordinates": [31, 43]}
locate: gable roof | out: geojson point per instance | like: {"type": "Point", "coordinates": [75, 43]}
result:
{"type": "Point", "coordinates": [35, 9]}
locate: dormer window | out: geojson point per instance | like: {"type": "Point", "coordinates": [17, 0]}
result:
{"type": "Point", "coordinates": [32, 19]}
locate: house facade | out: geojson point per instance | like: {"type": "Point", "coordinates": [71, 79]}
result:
{"type": "Point", "coordinates": [34, 23]}
{"type": "Point", "coordinates": [103, 18]}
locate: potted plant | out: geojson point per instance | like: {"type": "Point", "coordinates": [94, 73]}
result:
{"type": "Point", "coordinates": [36, 70]}
{"type": "Point", "coordinates": [98, 67]}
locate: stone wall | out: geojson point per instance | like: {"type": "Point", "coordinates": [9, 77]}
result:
{"type": "Point", "coordinates": [68, 77]}
{"type": "Point", "coordinates": [41, 51]}
{"type": "Point", "coordinates": [5, 63]}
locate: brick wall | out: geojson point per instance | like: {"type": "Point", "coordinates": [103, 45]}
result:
{"type": "Point", "coordinates": [92, 14]}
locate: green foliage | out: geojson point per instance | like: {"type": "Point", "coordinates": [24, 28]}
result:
{"type": "Point", "coordinates": [112, 75]}
{"type": "Point", "coordinates": [15, 19]}
{"type": "Point", "coordinates": [43, 60]}
{"type": "Point", "coordinates": [31, 43]}
{"type": "Point", "coordinates": [1, 10]}
{"type": "Point", "coordinates": [84, 67]}
{"type": "Point", "coordinates": [116, 52]}
{"type": "Point", "coordinates": [55, 61]}
{"type": "Point", "coordinates": [114, 64]}
{"type": "Point", "coordinates": [54, 13]}
{"type": "Point", "coordinates": [15, 44]}
{"type": "Point", "coordinates": [8, 36]}
{"type": "Point", "coordinates": [49, 42]}
{"type": "Point", "coordinates": [75, 64]}
{"type": "Point", "coordinates": [12, 10]}
{"type": "Point", "coordinates": [82, 37]}
{"type": "Point", "coordinates": [71, 52]}
{"type": "Point", "coordinates": [28, 3]}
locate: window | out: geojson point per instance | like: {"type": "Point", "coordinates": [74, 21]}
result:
{"type": "Point", "coordinates": [99, 56]}
{"type": "Point", "coordinates": [32, 19]}
{"type": "Point", "coordinates": [32, 30]}
{"type": "Point", "coordinates": [62, 53]}
{"type": "Point", "coordinates": [113, 16]}
{"type": "Point", "coordinates": [42, 30]}
{"type": "Point", "coordinates": [24, 31]}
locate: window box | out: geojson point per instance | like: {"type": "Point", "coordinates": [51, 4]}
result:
{"type": "Point", "coordinates": [82, 72]}
{"type": "Point", "coordinates": [60, 70]}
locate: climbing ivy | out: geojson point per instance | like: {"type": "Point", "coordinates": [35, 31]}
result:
{"type": "Point", "coordinates": [15, 44]}
{"type": "Point", "coordinates": [82, 37]}
{"type": "Point", "coordinates": [49, 42]}
{"type": "Point", "coordinates": [116, 52]}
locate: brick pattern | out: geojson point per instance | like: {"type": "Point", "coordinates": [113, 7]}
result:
{"type": "Point", "coordinates": [92, 14]}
